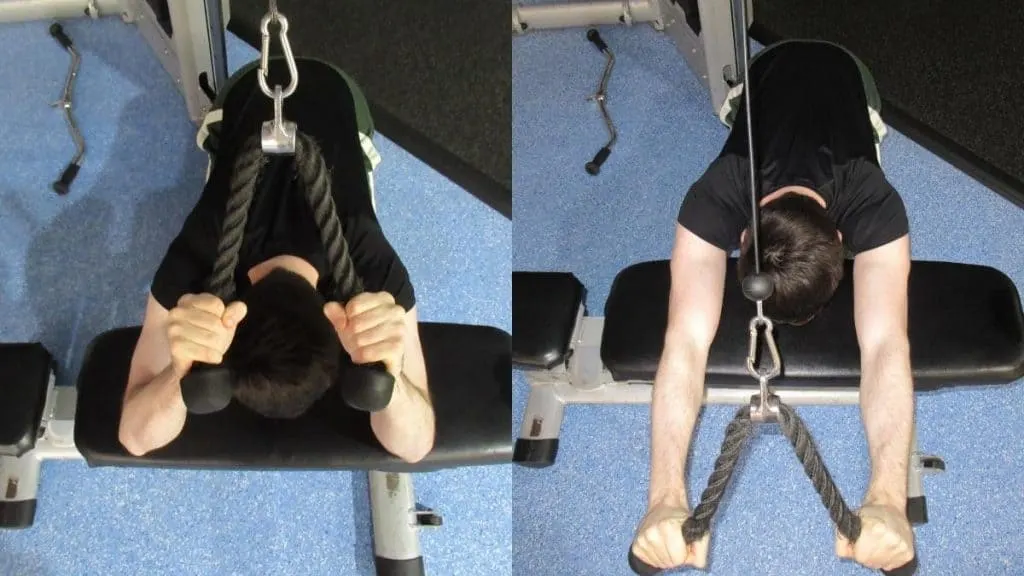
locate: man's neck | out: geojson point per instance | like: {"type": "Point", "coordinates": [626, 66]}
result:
{"type": "Point", "coordinates": [801, 190]}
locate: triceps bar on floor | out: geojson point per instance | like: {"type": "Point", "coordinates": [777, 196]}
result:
{"type": "Point", "coordinates": [187, 37]}
{"type": "Point", "coordinates": [701, 29]}
{"type": "Point", "coordinates": [966, 328]}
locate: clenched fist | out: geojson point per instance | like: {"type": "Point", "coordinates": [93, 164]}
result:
{"type": "Point", "coordinates": [200, 329]}
{"type": "Point", "coordinates": [660, 543]}
{"type": "Point", "coordinates": [886, 539]}
{"type": "Point", "coordinates": [371, 328]}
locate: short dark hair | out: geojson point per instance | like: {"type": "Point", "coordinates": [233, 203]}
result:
{"type": "Point", "coordinates": [285, 354]}
{"type": "Point", "coordinates": [801, 253]}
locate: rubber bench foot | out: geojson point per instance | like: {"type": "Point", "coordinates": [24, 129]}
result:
{"type": "Point", "coordinates": [917, 510]}
{"type": "Point", "coordinates": [392, 567]}
{"type": "Point", "coordinates": [17, 515]}
{"type": "Point", "coordinates": [535, 453]}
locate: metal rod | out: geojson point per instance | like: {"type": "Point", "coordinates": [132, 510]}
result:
{"type": "Point", "coordinates": [602, 91]}
{"type": "Point", "coordinates": [739, 22]}
{"type": "Point", "coordinates": [66, 104]}
{"type": "Point", "coordinates": [215, 27]}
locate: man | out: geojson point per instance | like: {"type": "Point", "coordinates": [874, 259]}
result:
{"type": "Point", "coordinates": [823, 198]}
{"type": "Point", "coordinates": [283, 338]}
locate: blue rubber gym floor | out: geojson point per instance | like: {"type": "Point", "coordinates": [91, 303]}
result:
{"type": "Point", "coordinates": [76, 266]}
{"type": "Point", "coordinates": [579, 516]}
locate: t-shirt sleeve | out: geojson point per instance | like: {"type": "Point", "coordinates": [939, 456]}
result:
{"type": "Point", "coordinates": [189, 258]}
{"type": "Point", "coordinates": [713, 208]}
{"type": "Point", "coordinates": [376, 261]}
{"type": "Point", "coordinates": [873, 213]}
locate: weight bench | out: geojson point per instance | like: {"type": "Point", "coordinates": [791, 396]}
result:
{"type": "Point", "coordinates": [966, 328]}
{"type": "Point", "coordinates": [469, 368]}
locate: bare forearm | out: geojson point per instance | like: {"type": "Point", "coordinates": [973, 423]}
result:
{"type": "Point", "coordinates": [677, 399]}
{"type": "Point", "coordinates": [887, 408]}
{"type": "Point", "coordinates": [406, 426]}
{"type": "Point", "coordinates": [153, 414]}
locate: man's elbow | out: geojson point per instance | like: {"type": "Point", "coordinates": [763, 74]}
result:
{"type": "Point", "coordinates": [411, 447]}
{"type": "Point", "coordinates": [889, 346]}
{"type": "Point", "coordinates": [889, 356]}
{"type": "Point", "coordinates": [419, 449]}
{"type": "Point", "coordinates": [133, 440]}
{"type": "Point", "coordinates": [682, 353]}
{"type": "Point", "coordinates": [135, 433]}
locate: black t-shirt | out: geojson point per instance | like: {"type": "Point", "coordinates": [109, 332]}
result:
{"type": "Point", "coordinates": [280, 220]}
{"type": "Point", "coordinates": [812, 129]}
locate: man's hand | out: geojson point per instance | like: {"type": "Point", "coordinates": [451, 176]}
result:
{"type": "Point", "coordinates": [200, 329]}
{"type": "Point", "coordinates": [371, 328]}
{"type": "Point", "coordinates": [886, 540]}
{"type": "Point", "coordinates": [659, 541]}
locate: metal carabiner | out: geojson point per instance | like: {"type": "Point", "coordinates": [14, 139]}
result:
{"type": "Point", "coordinates": [764, 406]}
{"type": "Point", "coordinates": [278, 135]}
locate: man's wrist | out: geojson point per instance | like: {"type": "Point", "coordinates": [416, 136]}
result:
{"type": "Point", "coordinates": [880, 494]}
{"type": "Point", "coordinates": [670, 498]}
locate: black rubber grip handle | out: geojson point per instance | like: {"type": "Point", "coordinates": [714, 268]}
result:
{"type": "Point", "coordinates": [594, 166]}
{"type": "Point", "coordinates": [367, 387]}
{"type": "Point", "coordinates": [63, 186]}
{"type": "Point", "coordinates": [206, 388]}
{"type": "Point", "coordinates": [908, 569]}
{"type": "Point", "coordinates": [57, 31]}
{"type": "Point", "coordinates": [596, 39]}
{"type": "Point", "coordinates": [640, 567]}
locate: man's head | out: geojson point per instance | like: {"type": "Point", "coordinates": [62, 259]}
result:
{"type": "Point", "coordinates": [802, 252]}
{"type": "Point", "coordinates": [285, 354]}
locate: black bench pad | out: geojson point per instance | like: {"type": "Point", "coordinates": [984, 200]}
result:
{"type": "Point", "coordinates": [544, 310]}
{"type": "Point", "coordinates": [25, 371]}
{"type": "Point", "coordinates": [469, 369]}
{"type": "Point", "coordinates": [965, 327]}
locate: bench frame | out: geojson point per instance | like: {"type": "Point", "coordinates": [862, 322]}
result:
{"type": "Point", "coordinates": [582, 378]}
{"type": "Point", "coordinates": [396, 517]}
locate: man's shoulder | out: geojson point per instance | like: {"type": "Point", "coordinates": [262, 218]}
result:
{"type": "Point", "coordinates": [870, 212]}
{"type": "Point", "coordinates": [725, 176]}
{"type": "Point", "coordinates": [714, 206]}
{"type": "Point", "coordinates": [188, 259]}
{"type": "Point", "coordinates": [862, 177]}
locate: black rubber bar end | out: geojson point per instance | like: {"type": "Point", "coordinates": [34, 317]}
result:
{"type": "Point", "coordinates": [594, 166]}
{"type": "Point", "coordinates": [595, 37]}
{"type": "Point", "coordinates": [63, 186]}
{"type": "Point", "coordinates": [57, 31]}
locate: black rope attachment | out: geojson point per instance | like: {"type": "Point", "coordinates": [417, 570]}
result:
{"type": "Point", "coordinates": [207, 388]}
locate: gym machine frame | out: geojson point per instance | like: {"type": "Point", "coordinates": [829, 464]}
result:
{"type": "Point", "coordinates": [702, 30]}
{"type": "Point", "coordinates": [192, 50]}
